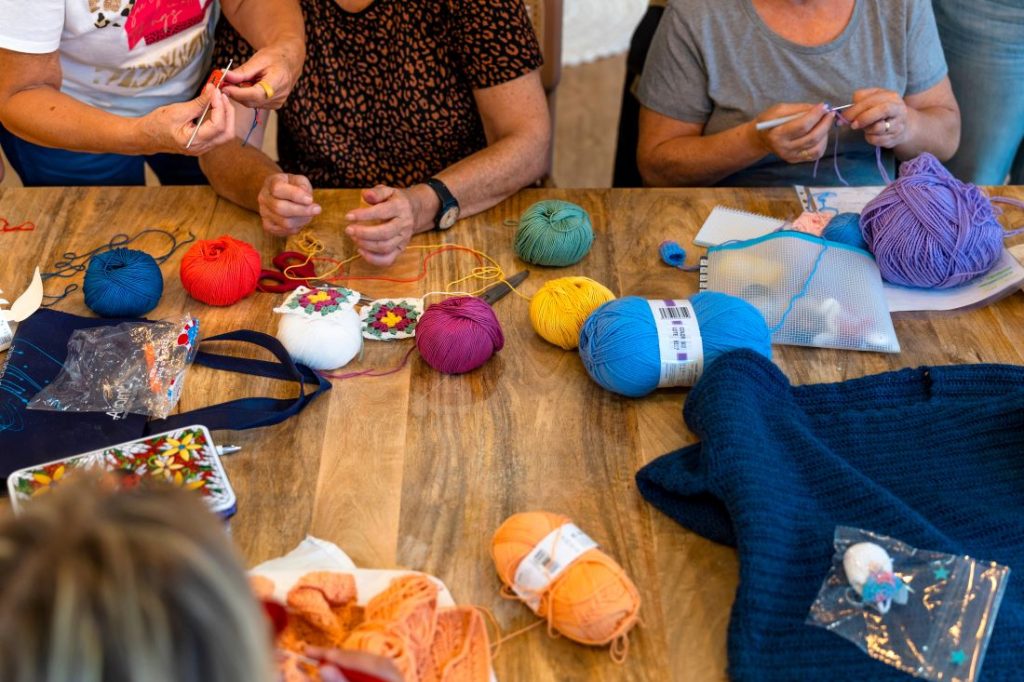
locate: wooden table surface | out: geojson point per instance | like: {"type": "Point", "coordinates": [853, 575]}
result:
{"type": "Point", "coordinates": [418, 469]}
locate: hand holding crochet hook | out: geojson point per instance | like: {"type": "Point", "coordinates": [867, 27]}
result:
{"type": "Point", "coordinates": [796, 133]}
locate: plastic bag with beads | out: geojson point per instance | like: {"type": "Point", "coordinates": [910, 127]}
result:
{"type": "Point", "coordinates": [811, 291]}
{"type": "Point", "coordinates": [130, 368]}
{"type": "Point", "coordinates": [926, 613]}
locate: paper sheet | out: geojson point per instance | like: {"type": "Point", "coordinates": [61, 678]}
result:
{"type": "Point", "coordinates": [26, 304]}
{"type": "Point", "coordinates": [833, 200]}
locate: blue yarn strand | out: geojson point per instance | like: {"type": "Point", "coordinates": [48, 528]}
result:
{"type": "Point", "coordinates": [803, 291]}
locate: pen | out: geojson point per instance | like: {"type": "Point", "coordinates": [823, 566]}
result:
{"type": "Point", "coordinates": [776, 122]}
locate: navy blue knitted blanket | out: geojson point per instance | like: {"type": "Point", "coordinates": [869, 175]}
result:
{"type": "Point", "coordinates": [933, 456]}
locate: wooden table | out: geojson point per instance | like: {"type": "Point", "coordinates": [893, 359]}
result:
{"type": "Point", "coordinates": [417, 469]}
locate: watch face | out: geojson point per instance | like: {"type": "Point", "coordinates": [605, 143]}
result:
{"type": "Point", "coordinates": [448, 218]}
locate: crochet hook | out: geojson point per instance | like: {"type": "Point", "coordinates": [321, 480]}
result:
{"type": "Point", "coordinates": [776, 122]}
{"type": "Point", "coordinates": [206, 109]}
{"type": "Point", "coordinates": [501, 289]}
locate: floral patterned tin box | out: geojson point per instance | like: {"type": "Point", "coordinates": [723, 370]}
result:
{"type": "Point", "coordinates": [186, 457]}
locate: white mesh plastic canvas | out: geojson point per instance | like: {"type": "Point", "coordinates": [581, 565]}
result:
{"type": "Point", "coordinates": [812, 292]}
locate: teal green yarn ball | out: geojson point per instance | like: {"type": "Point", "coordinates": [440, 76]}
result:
{"type": "Point", "coordinates": [554, 233]}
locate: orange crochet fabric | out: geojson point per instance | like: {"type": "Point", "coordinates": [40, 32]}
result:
{"type": "Point", "coordinates": [402, 623]}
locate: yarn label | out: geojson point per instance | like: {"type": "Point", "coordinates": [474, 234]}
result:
{"type": "Point", "coordinates": [5, 335]}
{"type": "Point", "coordinates": [682, 351]}
{"type": "Point", "coordinates": [549, 559]}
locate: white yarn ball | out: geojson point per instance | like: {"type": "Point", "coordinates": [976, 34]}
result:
{"type": "Point", "coordinates": [322, 343]}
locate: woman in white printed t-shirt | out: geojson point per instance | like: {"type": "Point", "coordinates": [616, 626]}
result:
{"type": "Point", "coordinates": [90, 89]}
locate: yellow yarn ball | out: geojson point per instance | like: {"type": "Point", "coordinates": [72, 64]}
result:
{"type": "Point", "coordinates": [560, 308]}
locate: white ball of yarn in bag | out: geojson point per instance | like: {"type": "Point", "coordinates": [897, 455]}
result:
{"type": "Point", "coordinates": [322, 342]}
{"type": "Point", "coordinates": [863, 559]}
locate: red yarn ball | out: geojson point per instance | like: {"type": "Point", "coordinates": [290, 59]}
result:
{"type": "Point", "coordinates": [458, 335]}
{"type": "Point", "coordinates": [220, 271]}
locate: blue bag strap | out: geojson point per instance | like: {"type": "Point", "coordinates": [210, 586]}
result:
{"type": "Point", "coordinates": [249, 413]}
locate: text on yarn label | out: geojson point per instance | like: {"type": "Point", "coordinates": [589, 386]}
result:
{"type": "Point", "coordinates": [549, 558]}
{"type": "Point", "coordinates": [679, 342]}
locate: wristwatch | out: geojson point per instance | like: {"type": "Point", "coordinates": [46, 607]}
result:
{"type": "Point", "coordinates": [449, 211]}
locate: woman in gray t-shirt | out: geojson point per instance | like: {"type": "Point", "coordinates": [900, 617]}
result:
{"type": "Point", "coordinates": [716, 68]}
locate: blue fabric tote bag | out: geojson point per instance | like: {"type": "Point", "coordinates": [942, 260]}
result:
{"type": "Point", "coordinates": [30, 437]}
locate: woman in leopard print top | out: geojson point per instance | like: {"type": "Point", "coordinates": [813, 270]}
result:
{"type": "Point", "coordinates": [395, 93]}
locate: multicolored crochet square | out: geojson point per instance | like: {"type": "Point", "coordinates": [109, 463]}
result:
{"type": "Point", "coordinates": [391, 318]}
{"type": "Point", "coordinates": [319, 302]}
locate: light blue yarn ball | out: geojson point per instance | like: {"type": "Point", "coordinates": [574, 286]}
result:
{"type": "Point", "coordinates": [122, 283]}
{"type": "Point", "coordinates": [555, 233]}
{"type": "Point", "coordinates": [619, 341]}
{"type": "Point", "coordinates": [845, 229]}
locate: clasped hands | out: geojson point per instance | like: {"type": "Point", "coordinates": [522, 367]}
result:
{"type": "Point", "coordinates": [882, 114]}
{"type": "Point", "coordinates": [169, 128]}
{"type": "Point", "coordinates": [381, 230]}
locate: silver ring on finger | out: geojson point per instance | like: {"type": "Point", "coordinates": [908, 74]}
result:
{"type": "Point", "coordinates": [888, 125]}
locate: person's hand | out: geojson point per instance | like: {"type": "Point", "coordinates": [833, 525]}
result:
{"type": "Point", "coordinates": [169, 128]}
{"type": "Point", "coordinates": [396, 213]}
{"type": "Point", "coordinates": [882, 115]}
{"type": "Point", "coordinates": [286, 204]}
{"type": "Point", "coordinates": [272, 71]}
{"type": "Point", "coordinates": [356, 661]}
{"type": "Point", "coordinates": [800, 140]}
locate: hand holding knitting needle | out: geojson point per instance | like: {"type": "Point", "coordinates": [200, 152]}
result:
{"type": "Point", "coordinates": [169, 128]}
{"type": "Point", "coordinates": [800, 140]}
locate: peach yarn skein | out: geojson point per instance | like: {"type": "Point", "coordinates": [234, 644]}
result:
{"type": "Point", "coordinates": [592, 601]}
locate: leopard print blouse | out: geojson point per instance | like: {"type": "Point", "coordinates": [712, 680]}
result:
{"type": "Point", "coordinates": [386, 95]}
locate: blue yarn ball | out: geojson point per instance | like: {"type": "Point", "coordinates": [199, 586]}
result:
{"type": "Point", "coordinates": [619, 341]}
{"type": "Point", "coordinates": [556, 233]}
{"type": "Point", "coordinates": [122, 283]}
{"type": "Point", "coordinates": [845, 229]}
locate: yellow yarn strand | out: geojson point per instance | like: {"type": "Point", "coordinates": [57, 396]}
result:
{"type": "Point", "coordinates": [490, 274]}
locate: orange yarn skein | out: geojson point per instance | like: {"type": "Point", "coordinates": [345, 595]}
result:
{"type": "Point", "coordinates": [592, 601]}
{"type": "Point", "coordinates": [220, 271]}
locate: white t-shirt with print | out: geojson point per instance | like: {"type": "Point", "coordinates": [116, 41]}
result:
{"type": "Point", "coordinates": [127, 57]}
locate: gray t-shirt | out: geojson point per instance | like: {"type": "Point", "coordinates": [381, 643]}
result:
{"type": "Point", "coordinates": [716, 62]}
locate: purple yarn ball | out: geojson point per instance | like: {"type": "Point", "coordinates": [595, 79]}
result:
{"type": "Point", "coordinates": [458, 334]}
{"type": "Point", "coordinates": [927, 229]}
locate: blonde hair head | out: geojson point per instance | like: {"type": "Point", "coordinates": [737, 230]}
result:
{"type": "Point", "coordinates": [101, 585]}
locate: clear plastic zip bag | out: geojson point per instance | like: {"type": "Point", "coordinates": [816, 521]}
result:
{"type": "Point", "coordinates": [133, 367]}
{"type": "Point", "coordinates": [812, 292]}
{"type": "Point", "coordinates": [926, 613]}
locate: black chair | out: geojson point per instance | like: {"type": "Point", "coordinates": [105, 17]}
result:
{"type": "Point", "coordinates": [627, 174]}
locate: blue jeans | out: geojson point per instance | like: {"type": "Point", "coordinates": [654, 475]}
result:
{"type": "Point", "coordinates": [984, 45]}
{"type": "Point", "coordinates": [47, 167]}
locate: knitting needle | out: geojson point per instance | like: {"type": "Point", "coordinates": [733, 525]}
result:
{"type": "Point", "coordinates": [206, 109]}
{"type": "Point", "coordinates": [776, 122]}
{"type": "Point", "coordinates": [228, 449]}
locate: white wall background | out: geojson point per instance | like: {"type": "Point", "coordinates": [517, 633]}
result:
{"type": "Point", "coordinates": [598, 28]}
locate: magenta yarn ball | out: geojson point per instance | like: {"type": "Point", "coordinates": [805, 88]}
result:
{"type": "Point", "coordinates": [458, 335]}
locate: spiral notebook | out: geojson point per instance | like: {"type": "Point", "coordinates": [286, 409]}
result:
{"type": "Point", "coordinates": [729, 224]}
